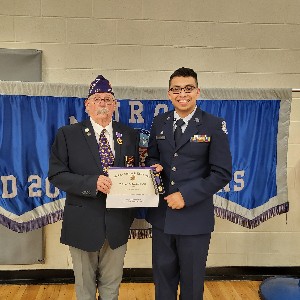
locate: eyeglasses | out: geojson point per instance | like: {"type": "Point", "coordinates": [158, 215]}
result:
{"type": "Point", "coordinates": [177, 89]}
{"type": "Point", "coordinates": [106, 100]}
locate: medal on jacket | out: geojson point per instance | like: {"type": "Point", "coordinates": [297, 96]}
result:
{"type": "Point", "coordinates": [129, 161]}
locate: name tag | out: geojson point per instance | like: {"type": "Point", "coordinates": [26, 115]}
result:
{"type": "Point", "coordinates": [160, 137]}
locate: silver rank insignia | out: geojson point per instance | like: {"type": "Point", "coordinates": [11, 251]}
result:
{"type": "Point", "coordinates": [224, 127]}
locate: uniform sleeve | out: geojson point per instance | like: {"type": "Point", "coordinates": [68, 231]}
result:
{"type": "Point", "coordinates": [153, 156]}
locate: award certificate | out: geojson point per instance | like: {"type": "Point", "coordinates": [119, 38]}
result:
{"type": "Point", "coordinates": [132, 187]}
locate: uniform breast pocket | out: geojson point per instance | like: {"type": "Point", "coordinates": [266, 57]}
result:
{"type": "Point", "coordinates": [198, 148]}
{"type": "Point", "coordinates": [161, 143]}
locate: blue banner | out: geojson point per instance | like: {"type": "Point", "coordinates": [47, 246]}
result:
{"type": "Point", "coordinates": [28, 125]}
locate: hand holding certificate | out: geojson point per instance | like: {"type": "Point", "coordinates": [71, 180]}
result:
{"type": "Point", "coordinates": [132, 187]}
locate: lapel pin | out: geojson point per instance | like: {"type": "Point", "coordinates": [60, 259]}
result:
{"type": "Point", "coordinates": [87, 131]}
{"type": "Point", "coordinates": [119, 138]}
{"type": "Point", "coordinates": [197, 120]}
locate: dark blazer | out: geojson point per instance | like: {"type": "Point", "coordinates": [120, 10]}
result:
{"type": "Point", "coordinates": [196, 169]}
{"type": "Point", "coordinates": [74, 167]}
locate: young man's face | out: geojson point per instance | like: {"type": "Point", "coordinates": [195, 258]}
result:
{"type": "Point", "coordinates": [100, 106]}
{"type": "Point", "coordinates": [184, 101]}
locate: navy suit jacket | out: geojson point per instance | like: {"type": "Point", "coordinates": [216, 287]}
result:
{"type": "Point", "coordinates": [197, 169]}
{"type": "Point", "coordinates": [74, 167]}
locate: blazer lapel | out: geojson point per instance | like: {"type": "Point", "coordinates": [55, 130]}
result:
{"type": "Point", "coordinates": [192, 128]}
{"type": "Point", "coordinates": [167, 129]}
{"type": "Point", "coordinates": [89, 135]}
{"type": "Point", "coordinates": [118, 146]}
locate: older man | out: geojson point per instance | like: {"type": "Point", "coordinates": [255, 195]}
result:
{"type": "Point", "coordinates": [80, 157]}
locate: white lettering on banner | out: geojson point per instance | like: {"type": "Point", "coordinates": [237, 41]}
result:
{"type": "Point", "coordinates": [136, 109]}
{"type": "Point", "coordinates": [9, 184]}
{"type": "Point", "coordinates": [159, 107]}
{"type": "Point", "coordinates": [13, 186]}
{"type": "Point", "coordinates": [38, 185]}
{"type": "Point", "coordinates": [226, 188]}
{"type": "Point", "coordinates": [48, 190]}
{"type": "Point", "coordinates": [117, 116]}
{"type": "Point", "coordinates": [238, 179]}
{"type": "Point", "coordinates": [34, 188]}
{"type": "Point", "coordinates": [73, 120]}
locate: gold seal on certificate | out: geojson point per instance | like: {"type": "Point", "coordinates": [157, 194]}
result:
{"type": "Point", "coordinates": [132, 187]}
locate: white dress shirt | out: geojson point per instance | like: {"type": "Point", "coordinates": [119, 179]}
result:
{"type": "Point", "coordinates": [186, 120]}
{"type": "Point", "coordinates": [108, 133]}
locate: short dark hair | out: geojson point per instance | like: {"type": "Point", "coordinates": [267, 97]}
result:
{"type": "Point", "coordinates": [184, 72]}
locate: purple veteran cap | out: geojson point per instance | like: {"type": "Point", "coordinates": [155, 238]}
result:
{"type": "Point", "coordinates": [100, 85]}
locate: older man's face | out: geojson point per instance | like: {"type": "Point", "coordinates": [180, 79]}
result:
{"type": "Point", "coordinates": [100, 106]}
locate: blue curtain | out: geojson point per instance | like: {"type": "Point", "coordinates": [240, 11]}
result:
{"type": "Point", "coordinates": [28, 125]}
